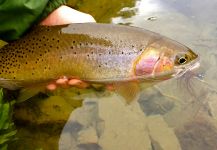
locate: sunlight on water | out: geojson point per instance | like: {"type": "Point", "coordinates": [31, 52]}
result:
{"type": "Point", "coordinates": [146, 7]}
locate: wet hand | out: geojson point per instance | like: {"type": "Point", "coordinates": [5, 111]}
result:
{"type": "Point", "coordinates": [64, 82]}
{"type": "Point", "coordinates": [66, 15]}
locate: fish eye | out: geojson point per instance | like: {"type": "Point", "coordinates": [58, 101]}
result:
{"type": "Point", "coordinates": [182, 60]}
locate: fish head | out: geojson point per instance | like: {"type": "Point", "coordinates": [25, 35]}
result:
{"type": "Point", "coordinates": [164, 59]}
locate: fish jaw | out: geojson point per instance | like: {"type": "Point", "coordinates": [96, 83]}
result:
{"type": "Point", "coordinates": [181, 70]}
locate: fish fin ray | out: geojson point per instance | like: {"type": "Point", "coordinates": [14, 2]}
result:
{"type": "Point", "coordinates": [10, 84]}
{"type": "Point", "coordinates": [28, 92]}
{"type": "Point", "coordinates": [130, 91]}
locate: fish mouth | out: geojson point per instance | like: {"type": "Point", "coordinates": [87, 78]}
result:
{"type": "Point", "coordinates": [180, 70]}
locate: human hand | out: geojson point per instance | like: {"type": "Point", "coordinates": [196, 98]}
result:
{"type": "Point", "coordinates": [66, 15]}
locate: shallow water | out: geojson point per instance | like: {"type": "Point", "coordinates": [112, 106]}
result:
{"type": "Point", "coordinates": [173, 115]}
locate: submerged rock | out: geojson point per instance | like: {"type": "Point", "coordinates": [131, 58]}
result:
{"type": "Point", "coordinates": [43, 111]}
{"type": "Point", "coordinates": [162, 136]}
{"type": "Point", "coordinates": [109, 123]}
{"type": "Point", "coordinates": [198, 134]}
{"type": "Point", "coordinates": [125, 125]}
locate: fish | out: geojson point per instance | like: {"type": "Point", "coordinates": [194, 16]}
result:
{"type": "Point", "coordinates": [94, 53]}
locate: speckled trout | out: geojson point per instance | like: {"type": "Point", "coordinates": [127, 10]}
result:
{"type": "Point", "coordinates": [94, 53]}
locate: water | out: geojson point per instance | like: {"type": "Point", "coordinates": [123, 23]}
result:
{"type": "Point", "coordinates": [173, 115]}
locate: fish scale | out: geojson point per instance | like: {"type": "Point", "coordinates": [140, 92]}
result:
{"type": "Point", "coordinates": [92, 52]}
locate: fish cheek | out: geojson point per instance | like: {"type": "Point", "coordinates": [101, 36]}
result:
{"type": "Point", "coordinates": [145, 66]}
{"type": "Point", "coordinates": [164, 65]}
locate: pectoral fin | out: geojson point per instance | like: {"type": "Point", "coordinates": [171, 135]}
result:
{"type": "Point", "coordinates": [128, 90]}
{"type": "Point", "coordinates": [27, 93]}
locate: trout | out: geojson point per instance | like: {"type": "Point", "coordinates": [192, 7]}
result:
{"type": "Point", "coordinates": [94, 53]}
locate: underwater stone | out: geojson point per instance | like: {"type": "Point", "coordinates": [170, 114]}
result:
{"type": "Point", "coordinates": [162, 136]}
{"type": "Point", "coordinates": [125, 125]}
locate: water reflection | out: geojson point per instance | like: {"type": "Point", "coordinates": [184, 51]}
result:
{"type": "Point", "coordinates": [147, 7]}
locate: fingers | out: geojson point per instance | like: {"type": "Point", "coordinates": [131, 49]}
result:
{"type": "Point", "coordinates": [66, 15]}
{"type": "Point", "coordinates": [110, 87]}
{"type": "Point", "coordinates": [62, 81]}
{"type": "Point", "coordinates": [66, 83]}
{"type": "Point", "coordinates": [51, 87]}
{"type": "Point", "coordinates": [78, 83]}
